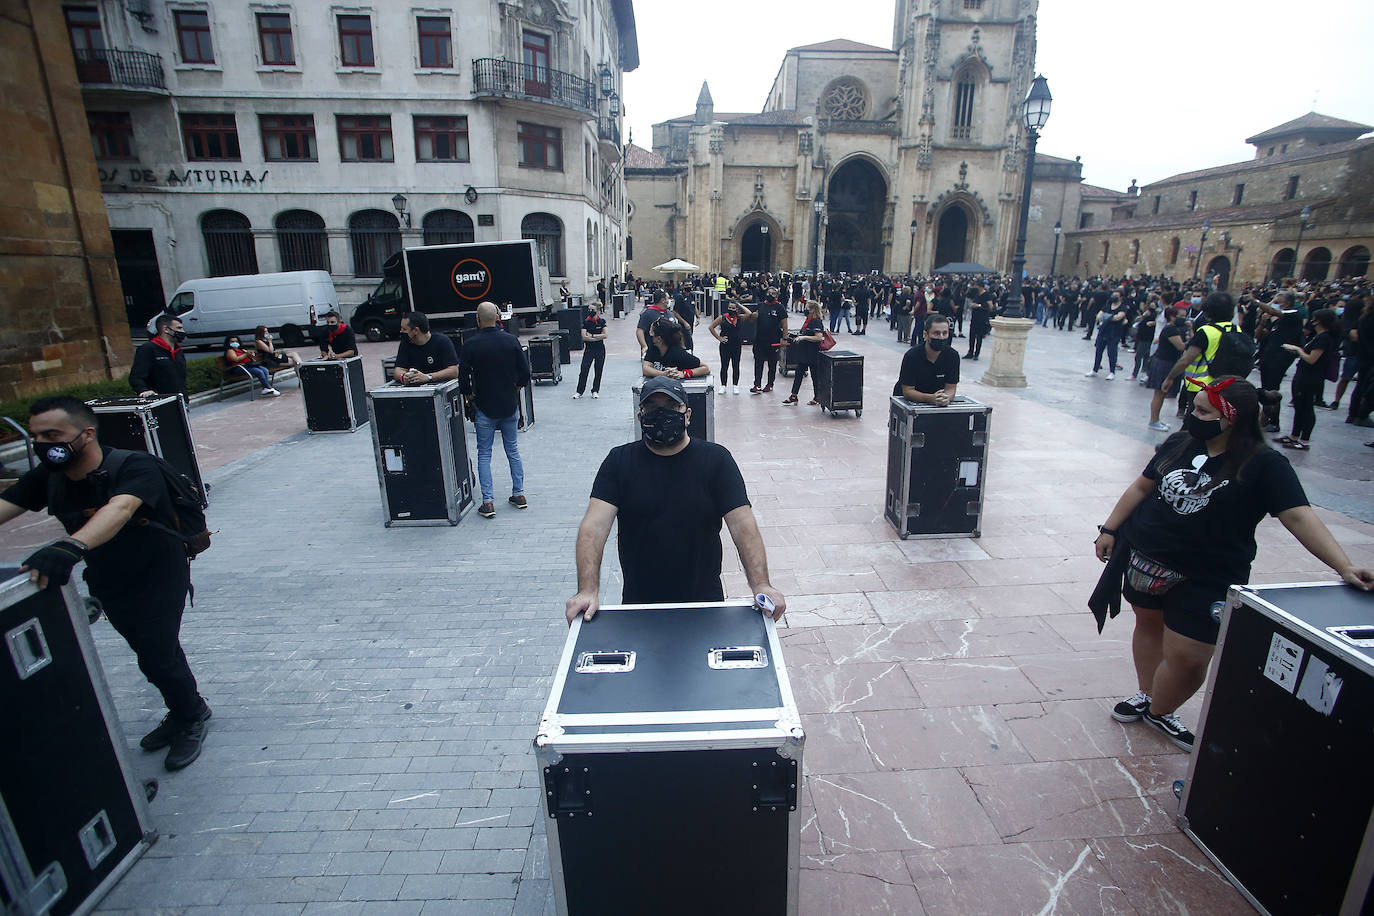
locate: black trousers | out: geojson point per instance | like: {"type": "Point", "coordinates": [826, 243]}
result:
{"type": "Point", "coordinates": [975, 343]}
{"type": "Point", "coordinates": [1305, 408]}
{"type": "Point", "coordinates": [150, 622]}
{"type": "Point", "coordinates": [798, 373]}
{"type": "Point", "coordinates": [1272, 370]}
{"type": "Point", "coordinates": [765, 355]}
{"type": "Point", "coordinates": [1362, 400]}
{"type": "Point", "coordinates": [591, 354]}
{"type": "Point", "coordinates": [729, 357]}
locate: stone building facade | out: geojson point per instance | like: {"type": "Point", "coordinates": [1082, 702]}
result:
{"type": "Point", "coordinates": [239, 136]}
{"type": "Point", "coordinates": [1252, 211]}
{"type": "Point", "coordinates": [863, 158]}
{"type": "Point", "coordinates": [61, 314]}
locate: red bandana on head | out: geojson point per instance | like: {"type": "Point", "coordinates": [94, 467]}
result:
{"type": "Point", "coordinates": [1214, 390]}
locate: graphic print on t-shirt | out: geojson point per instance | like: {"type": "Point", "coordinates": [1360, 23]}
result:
{"type": "Point", "coordinates": [1189, 490]}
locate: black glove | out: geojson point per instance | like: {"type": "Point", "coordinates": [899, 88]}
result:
{"type": "Point", "coordinates": [56, 560]}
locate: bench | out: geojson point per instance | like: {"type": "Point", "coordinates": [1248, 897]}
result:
{"type": "Point", "coordinates": [229, 375]}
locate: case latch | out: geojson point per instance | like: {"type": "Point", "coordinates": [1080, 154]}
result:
{"type": "Point", "coordinates": [775, 785]}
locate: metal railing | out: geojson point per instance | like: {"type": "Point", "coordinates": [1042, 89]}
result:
{"type": "Point", "coordinates": [493, 76]}
{"type": "Point", "coordinates": [859, 126]}
{"type": "Point", "coordinates": [137, 69]}
{"type": "Point", "coordinates": [608, 130]}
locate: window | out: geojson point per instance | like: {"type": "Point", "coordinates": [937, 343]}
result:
{"type": "Point", "coordinates": [436, 42]}
{"type": "Point", "coordinates": [1271, 151]}
{"type": "Point", "coordinates": [228, 243]}
{"type": "Point", "coordinates": [375, 236]}
{"type": "Point", "coordinates": [540, 147]}
{"type": "Point", "coordinates": [88, 44]}
{"type": "Point", "coordinates": [1192, 200]}
{"type": "Point", "coordinates": [587, 156]}
{"type": "Point", "coordinates": [287, 138]}
{"type": "Point", "coordinates": [112, 134]}
{"type": "Point", "coordinates": [963, 108]}
{"type": "Point", "coordinates": [535, 50]}
{"type": "Point", "coordinates": [210, 136]}
{"type": "Point", "coordinates": [1135, 251]}
{"type": "Point", "coordinates": [547, 233]}
{"type": "Point", "coordinates": [302, 241]}
{"type": "Point", "coordinates": [441, 139]}
{"type": "Point", "coordinates": [448, 227]}
{"type": "Point", "coordinates": [355, 41]}
{"type": "Point", "coordinates": [1155, 208]}
{"type": "Point", "coordinates": [1292, 189]}
{"type": "Point", "coordinates": [364, 139]}
{"type": "Point", "coordinates": [193, 36]}
{"type": "Point", "coordinates": [1106, 250]}
{"type": "Point", "coordinates": [274, 35]}
{"type": "Point", "coordinates": [629, 247]}
{"type": "Point", "coordinates": [973, 4]}
{"type": "Point", "coordinates": [1283, 149]}
{"type": "Point", "coordinates": [591, 264]}
{"type": "Point", "coordinates": [1238, 196]}
{"type": "Point", "coordinates": [1077, 253]}
{"type": "Point", "coordinates": [1173, 250]}
{"type": "Point", "coordinates": [1085, 220]}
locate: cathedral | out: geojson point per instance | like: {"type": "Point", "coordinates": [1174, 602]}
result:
{"type": "Point", "coordinates": [862, 159]}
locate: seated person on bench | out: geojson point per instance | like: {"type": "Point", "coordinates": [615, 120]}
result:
{"type": "Point", "coordinates": [235, 355]}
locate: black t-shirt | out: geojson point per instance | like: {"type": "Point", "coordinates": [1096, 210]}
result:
{"type": "Point", "coordinates": [135, 555]}
{"type": "Point", "coordinates": [806, 352]}
{"type": "Point", "coordinates": [594, 324]}
{"type": "Point", "coordinates": [429, 357]}
{"type": "Point", "coordinates": [675, 358]}
{"type": "Point", "coordinates": [732, 335]}
{"type": "Point", "coordinates": [670, 544]}
{"type": "Point", "coordinates": [1166, 350]}
{"type": "Point", "coordinates": [1286, 329]}
{"type": "Point", "coordinates": [927, 377]}
{"type": "Point", "coordinates": [646, 320]}
{"type": "Point", "coordinates": [1145, 330]}
{"type": "Point", "coordinates": [342, 341]}
{"type": "Point", "coordinates": [686, 312]}
{"type": "Point", "coordinates": [1200, 518]}
{"type": "Point", "coordinates": [769, 317]}
{"type": "Point", "coordinates": [1312, 373]}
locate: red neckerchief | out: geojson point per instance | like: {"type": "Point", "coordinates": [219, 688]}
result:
{"type": "Point", "coordinates": [657, 308]}
{"type": "Point", "coordinates": [337, 331]}
{"type": "Point", "coordinates": [161, 342]}
{"type": "Point", "coordinates": [730, 317]}
{"type": "Point", "coordinates": [1214, 390]}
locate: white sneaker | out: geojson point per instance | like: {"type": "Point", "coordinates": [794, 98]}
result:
{"type": "Point", "coordinates": [596, 394]}
{"type": "Point", "coordinates": [1092, 374]}
{"type": "Point", "coordinates": [1159, 426]}
{"type": "Point", "coordinates": [271, 392]}
{"type": "Point", "coordinates": [1110, 376]}
{"type": "Point", "coordinates": [576, 395]}
{"type": "Point", "coordinates": [720, 389]}
{"type": "Point", "coordinates": [736, 389]}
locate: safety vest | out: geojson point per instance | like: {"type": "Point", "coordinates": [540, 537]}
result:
{"type": "Point", "coordinates": [722, 284]}
{"type": "Point", "coordinates": [1200, 369]}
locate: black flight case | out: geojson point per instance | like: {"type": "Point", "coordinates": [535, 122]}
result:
{"type": "Point", "coordinates": [785, 364]}
{"type": "Point", "coordinates": [544, 364]}
{"type": "Point", "coordinates": [570, 319]}
{"type": "Point", "coordinates": [73, 818]}
{"type": "Point", "coordinates": [421, 446]}
{"type": "Point", "coordinates": [936, 464]}
{"type": "Point", "coordinates": [701, 400]}
{"type": "Point", "coordinates": [840, 381]}
{"type": "Point", "coordinates": [564, 354]}
{"type": "Point", "coordinates": [525, 404]}
{"type": "Point", "coordinates": [157, 424]}
{"type": "Point", "coordinates": [335, 394]}
{"type": "Point", "coordinates": [670, 753]}
{"type": "Point", "coordinates": [1278, 792]}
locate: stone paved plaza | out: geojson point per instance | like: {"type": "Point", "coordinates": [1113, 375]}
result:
{"type": "Point", "coordinates": [375, 691]}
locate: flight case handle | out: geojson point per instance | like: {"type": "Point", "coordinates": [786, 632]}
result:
{"type": "Point", "coordinates": [732, 657]}
{"type": "Point", "coordinates": [612, 662]}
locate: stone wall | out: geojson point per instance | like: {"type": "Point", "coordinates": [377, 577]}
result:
{"type": "Point", "coordinates": [61, 308]}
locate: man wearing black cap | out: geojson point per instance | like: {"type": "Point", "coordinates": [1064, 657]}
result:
{"type": "Point", "coordinates": [669, 540]}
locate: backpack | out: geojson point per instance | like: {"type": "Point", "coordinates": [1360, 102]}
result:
{"type": "Point", "coordinates": [188, 514]}
{"type": "Point", "coordinates": [1235, 353]}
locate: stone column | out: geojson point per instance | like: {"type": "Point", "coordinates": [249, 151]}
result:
{"type": "Point", "coordinates": [1007, 369]}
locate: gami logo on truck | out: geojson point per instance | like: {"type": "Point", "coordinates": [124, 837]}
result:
{"type": "Point", "coordinates": [471, 279]}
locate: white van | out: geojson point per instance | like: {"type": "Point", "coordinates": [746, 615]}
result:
{"type": "Point", "coordinates": [289, 304]}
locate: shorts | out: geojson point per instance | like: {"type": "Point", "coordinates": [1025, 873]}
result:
{"type": "Point", "coordinates": [1157, 372]}
{"type": "Point", "coordinates": [1349, 369]}
{"type": "Point", "coordinates": [1187, 607]}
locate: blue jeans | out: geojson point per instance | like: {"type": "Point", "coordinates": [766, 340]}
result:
{"type": "Point", "coordinates": [259, 373]}
{"type": "Point", "coordinates": [486, 435]}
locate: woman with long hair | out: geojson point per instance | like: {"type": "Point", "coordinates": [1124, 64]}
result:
{"type": "Point", "coordinates": [236, 355]}
{"type": "Point", "coordinates": [1314, 357]}
{"type": "Point", "coordinates": [807, 351]}
{"type": "Point", "coordinates": [1184, 532]}
{"type": "Point", "coordinates": [266, 353]}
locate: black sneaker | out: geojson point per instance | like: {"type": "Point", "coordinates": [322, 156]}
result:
{"type": "Point", "coordinates": [161, 736]}
{"type": "Point", "coordinates": [1131, 709]}
{"type": "Point", "coordinates": [1172, 728]}
{"type": "Point", "coordinates": [186, 745]}
{"type": "Point", "coordinates": [487, 510]}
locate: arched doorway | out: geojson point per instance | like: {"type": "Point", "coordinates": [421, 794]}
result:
{"type": "Point", "coordinates": [1316, 265]}
{"type": "Point", "coordinates": [1220, 269]}
{"type": "Point", "coordinates": [951, 237]}
{"type": "Point", "coordinates": [1355, 262]}
{"type": "Point", "coordinates": [1282, 265]}
{"type": "Point", "coordinates": [856, 202]}
{"type": "Point", "coordinates": [756, 249]}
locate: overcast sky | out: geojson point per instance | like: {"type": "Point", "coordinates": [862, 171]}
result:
{"type": "Point", "coordinates": [1141, 90]}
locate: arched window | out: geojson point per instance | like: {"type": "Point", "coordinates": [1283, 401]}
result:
{"type": "Point", "coordinates": [547, 232]}
{"type": "Point", "coordinates": [375, 236]}
{"type": "Point", "coordinates": [228, 243]}
{"type": "Point", "coordinates": [448, 227]}
{"type": "Point", "coordinates": [1355, 262]}
{"type": "Point", "coordinates": [1173, 250]}
{"type": "Point", "coordinates": [962, 123]}
{"type": "Point", "coordinates": [302, 242]}
{"type": "Point", "coordinates": [1282, 265]}
{"type": "Point", "coordinates": [1316, 265]}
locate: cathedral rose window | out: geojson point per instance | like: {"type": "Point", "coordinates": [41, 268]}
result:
{"type": "Point", "coordinates": [845, 100]}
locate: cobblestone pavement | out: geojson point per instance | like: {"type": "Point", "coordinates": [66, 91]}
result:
{"type": "Point", "coordinates": [375, 691]}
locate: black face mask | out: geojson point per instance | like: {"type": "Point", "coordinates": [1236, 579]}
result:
{"type": "Point", "coordinates": [57, 455]}
{"type": "Point", "coordinates": [178, 336]}
{"type": "Point", "coordinates": [1202, 429]}
{"type": "Point", "coordinates": [938, 343]}
{"type": "Point", "coordinates": [663, 426]}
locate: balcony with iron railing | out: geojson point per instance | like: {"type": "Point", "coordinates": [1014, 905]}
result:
{"type": "Point", "coordinates": [493, 77]}
{"type": "Point", "coordinates": [108, 68]}
{"type": "Point", "coordinates": [608, 137]}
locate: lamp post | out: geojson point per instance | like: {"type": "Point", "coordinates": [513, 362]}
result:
{"type": "Point", "coordinates": [911, 250]}
{"type": "Point", "coordinates": [1035, 113]}
{"type": "Point", "coordinates": [1197, 265]}
{"type": "Point", "coordinates": [819, 207]}
{"type": "Point", "coordinates": [1303, 226]}
{"type": "Point", "coordinates": [765, 262]}
{"type": "Point", "coordinates": [399, 202]}
{"type": "Point", "coordinates": [1054, 258]}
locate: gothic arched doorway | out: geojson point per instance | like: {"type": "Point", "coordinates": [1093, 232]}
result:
{"type": "Point", "coordinates": [1220, 268]}
{"type": "Point", "coordinates": [856, 205]}
{"type": "Point", "coordinates": [951, 237]}
{"type": "Point", "coordinates": [1316, 265]}
{"type": "Point", "coordinates": [756, 249]}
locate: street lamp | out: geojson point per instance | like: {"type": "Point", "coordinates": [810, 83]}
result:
{"type": "Point", "coordinates": [819, 207]}
{"type": "Point", "coordinates": [399, 202]}
{"type": "Point", "coordinates": [607, 79]}
{"type": "Point", "coordinates": [1206, 227]}
{"type": "Point", "coordinates": [912, 250]}
{"type": "Point", "coordinates": [1054, 258]}
{"type": "Point", "coordinates": [1303, 225]}
{"type": "Point", "coordinates": [1035, 114]}
{"type": "Point", "coordinates": [614, 104]}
